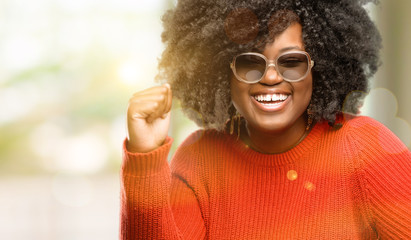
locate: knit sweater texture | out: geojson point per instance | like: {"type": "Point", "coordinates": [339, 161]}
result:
{"type": "Point", "coordinates": [350, 183]}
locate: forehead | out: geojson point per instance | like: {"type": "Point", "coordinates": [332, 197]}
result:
{"type": "Point", "coordinates": [289, 39]}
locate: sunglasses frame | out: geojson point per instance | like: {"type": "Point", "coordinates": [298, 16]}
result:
{"type": "Point", "coordinates": [272, 63]}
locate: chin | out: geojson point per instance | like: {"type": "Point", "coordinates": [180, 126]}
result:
{"type": "Point", "coordinates": [270, 126]}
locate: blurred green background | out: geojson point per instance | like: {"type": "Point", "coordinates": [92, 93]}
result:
{"type": "Point", "coordinates": [67, 70]}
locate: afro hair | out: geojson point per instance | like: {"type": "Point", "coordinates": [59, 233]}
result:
{"type": "Point", "coordinates": [202, 37]}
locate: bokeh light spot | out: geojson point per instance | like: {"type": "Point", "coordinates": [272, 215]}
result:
{"type": "Point", "coordinates": [292, 175]}
{"type": "Point", "coordinates": [381, 104]}
{"type": "Point", "coordinates": [130, 72]}
{"type": "Point", "coordinates": [309, 186]}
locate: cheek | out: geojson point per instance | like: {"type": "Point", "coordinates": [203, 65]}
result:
{"type": "Point", "coordinates": [306, 91]}
{"type": "Point", "coordinates": [302, 94]}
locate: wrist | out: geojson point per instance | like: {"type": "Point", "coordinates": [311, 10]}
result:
{"type": "Point", "coordinates": [132, 148]}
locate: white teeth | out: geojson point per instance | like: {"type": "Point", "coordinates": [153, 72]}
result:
{"type": "Point", "coordinates": [271, 97]}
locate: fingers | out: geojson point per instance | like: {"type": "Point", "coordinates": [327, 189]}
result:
{"type": "Point", "coordinates": [151, 103]}
{"type": "Point", "coordinates": [169, 97]}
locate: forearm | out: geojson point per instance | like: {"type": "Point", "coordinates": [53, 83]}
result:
{"type": "Point", "coordinates": [154, 206]}
{"type": "Point", "coordinates": [145, 194]}
{"type": "Point", "coordinates": [145, 208]}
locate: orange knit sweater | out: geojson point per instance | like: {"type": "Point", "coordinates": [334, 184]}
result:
{"type": "Point", "coordinates": [351, 183]}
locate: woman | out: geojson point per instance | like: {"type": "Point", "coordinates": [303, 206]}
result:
{"type": "Point", "coordinates": [278, 159]}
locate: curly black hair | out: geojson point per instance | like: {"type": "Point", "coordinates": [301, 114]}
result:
{"type": "Point", "coordinates": [202, 36]}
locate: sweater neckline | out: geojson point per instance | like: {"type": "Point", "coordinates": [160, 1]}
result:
{"type": "Point", "coordinates": [279, 159]}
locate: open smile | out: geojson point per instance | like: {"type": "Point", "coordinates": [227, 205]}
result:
{"type": "Point", "coordinates": [271, 102]}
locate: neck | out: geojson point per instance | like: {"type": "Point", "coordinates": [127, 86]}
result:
{"type": "Point", "coordinates": [276, 141]}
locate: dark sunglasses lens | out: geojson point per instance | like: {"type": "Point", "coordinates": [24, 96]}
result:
{"type": "Point", "coordinates": [293, 66]}
{"type": "Point", "coordinates": [250, 67]}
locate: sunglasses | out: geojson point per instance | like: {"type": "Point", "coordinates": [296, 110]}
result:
{"type": "Point", "coordinates": [292, 66]}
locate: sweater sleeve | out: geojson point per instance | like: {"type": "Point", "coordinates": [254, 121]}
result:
{"type": "Point", "coordinates": [147, 209]}
{"type": "Point", "coordinates": [386, 171]}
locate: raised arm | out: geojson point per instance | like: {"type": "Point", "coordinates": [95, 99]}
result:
{"type": "Point", "coordinates": [153, 204]}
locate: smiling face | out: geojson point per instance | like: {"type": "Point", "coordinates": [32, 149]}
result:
{"type": "Point", "coordinates": [274, 105]}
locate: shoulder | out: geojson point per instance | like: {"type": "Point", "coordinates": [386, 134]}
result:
{"type": "Point", "coordinates": [368, 133]}
{"type": "Point", "coordinates": [357, 121]}
{"type": "Point", "coordinates": [382, 166]}
{"type": "Point", "coordinates": [354, 121]}
{"type": "Point", "coordinates": [371, 145]}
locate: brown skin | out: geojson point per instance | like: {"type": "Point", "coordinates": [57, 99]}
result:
{"type": "Point", "coordinates": [277, 130]}
{"type": "Point", "coordinates": [148, 114]}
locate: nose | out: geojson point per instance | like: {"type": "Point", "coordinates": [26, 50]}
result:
{"type": "Point", "coordinates": [271, 77]}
